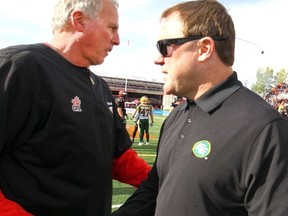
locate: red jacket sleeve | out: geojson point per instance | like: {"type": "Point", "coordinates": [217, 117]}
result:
{"type": "Point", "coordinates": [129, 168]}
{"type": "Point", "coordinates": [10, 208]}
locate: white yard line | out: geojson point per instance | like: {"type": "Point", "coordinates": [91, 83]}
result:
{"type": "Point", "coordinates": [116, 206]}
{"type": "Point", "coordinates": [147, 155]}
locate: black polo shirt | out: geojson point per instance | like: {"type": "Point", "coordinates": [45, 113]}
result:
{"type": "Point", "coordinates": [223, 154]}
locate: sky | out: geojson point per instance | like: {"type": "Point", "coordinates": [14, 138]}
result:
{"type": "Point", "coordinates": [260, 26]}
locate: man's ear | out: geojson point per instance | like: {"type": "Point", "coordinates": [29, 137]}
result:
{"type": "Point", "coordinates": [77, 20]}
{"type": "Point", "coordinates": [206, 47]}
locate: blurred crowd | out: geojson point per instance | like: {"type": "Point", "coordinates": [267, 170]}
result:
{"type": "Point", "coordinates": [278, 98]}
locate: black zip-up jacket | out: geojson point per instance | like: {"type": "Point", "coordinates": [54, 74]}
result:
{"type": "Point", "coordinates": [59, 133]}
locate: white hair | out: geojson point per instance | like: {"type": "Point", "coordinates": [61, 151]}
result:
{"type": "Point", "coordinates": [64, 8]}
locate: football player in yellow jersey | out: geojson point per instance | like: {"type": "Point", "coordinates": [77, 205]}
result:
{"type": "Point", "coordinates": [144, 110]}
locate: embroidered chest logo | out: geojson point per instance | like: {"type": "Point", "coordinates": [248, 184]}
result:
{"type": "Point", "coordinates": [76, 104]}
{"type": "Point", "coordinates": [202, 149]}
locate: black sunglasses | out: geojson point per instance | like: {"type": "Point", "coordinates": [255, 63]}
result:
{"type": "Point", "coordinates": [163, 44]}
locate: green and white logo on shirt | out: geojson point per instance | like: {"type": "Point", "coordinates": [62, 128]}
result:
{"type": "Point", "coordinates": [202, 149]}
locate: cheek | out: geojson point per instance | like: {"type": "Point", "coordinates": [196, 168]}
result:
{"type": "Point", "coordinates": [97, 44]}
{"type": "Point", "coordinates": [177, 80]}
{"type": "Point", "coordinates": [90, 40]}
{"type": "Point", "coordinates": [175, 75]}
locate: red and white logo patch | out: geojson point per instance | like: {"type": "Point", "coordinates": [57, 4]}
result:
{"type": "Point", "coordinates": [76, 104]}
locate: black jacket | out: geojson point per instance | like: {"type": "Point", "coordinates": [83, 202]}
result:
{"type": "Point", "coordinates": [59, 132]}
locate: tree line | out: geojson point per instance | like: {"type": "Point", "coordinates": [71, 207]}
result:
{"type": "Point", "coordinates": [267, 79]}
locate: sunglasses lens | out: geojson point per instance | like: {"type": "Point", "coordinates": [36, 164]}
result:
{"type": "Point", "coordinates": [165, 46]}
{"type": "Point", "coordinates": [162, 47]}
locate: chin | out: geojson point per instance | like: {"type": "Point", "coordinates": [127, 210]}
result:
{"type": "Point", "coordinates": [168, 90]}
{"type": "Point", "coordinates": [98, 62]}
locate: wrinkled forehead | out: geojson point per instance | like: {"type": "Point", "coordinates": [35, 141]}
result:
{"type": "Point", "coordinates": [171, 27]}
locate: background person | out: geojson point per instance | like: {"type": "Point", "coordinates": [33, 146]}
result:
{"type": "Point", "coordinates": [282, 109]}
{"type": "Point", "coordinates": [120, 102]}
{"type": "Point", "coordinates": [224, 151]}
{"type": "Point", "coordinates": [60, 132]}
{"type": "Point", "coordinates": [135, 118]}
{"type": "Point", "coordinates": [144, 112]}
{"type": "Point", "coordinates": [176, 102]}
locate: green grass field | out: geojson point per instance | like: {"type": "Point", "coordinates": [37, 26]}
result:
{"type": "Point", "coordinates": [148, 152]}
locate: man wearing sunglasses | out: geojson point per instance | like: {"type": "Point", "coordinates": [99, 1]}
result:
{"type": "Point", "coordinates": [224, 151]}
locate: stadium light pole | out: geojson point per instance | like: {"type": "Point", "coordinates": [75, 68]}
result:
{"type": "Point", "coordinates": [126, 79]}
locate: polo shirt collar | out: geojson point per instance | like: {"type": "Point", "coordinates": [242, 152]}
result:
{"type": "Point", "coordinates": [216, 95]}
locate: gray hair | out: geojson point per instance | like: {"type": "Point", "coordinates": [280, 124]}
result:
{"type": "Point", "coordinates": [64, 8]}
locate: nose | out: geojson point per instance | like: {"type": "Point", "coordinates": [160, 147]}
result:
{"type": "Point", "coordinates": [116, 39]}
{"type": "Point", "coordinates": [159, 60]}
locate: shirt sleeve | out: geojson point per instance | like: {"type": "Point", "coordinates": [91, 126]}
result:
{"type": "Point", "coordinates": [129, 168]}
{"type": "Point", "coordinates": [266, 177]}
{"type": "Point", "coordinates": [143, 201]}
{"type": "Point", "coordinates": [15, 106]}
{"type": "Point", "coordinates": [16, 98]}
{"type": "Point", "coordinates": [10, 208]}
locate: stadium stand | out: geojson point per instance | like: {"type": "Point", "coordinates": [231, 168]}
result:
{"type": "Point", "coordinates": [136, 89]}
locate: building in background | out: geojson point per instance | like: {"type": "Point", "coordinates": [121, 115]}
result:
{"type": "Point", "coordinates": [137, 88]}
